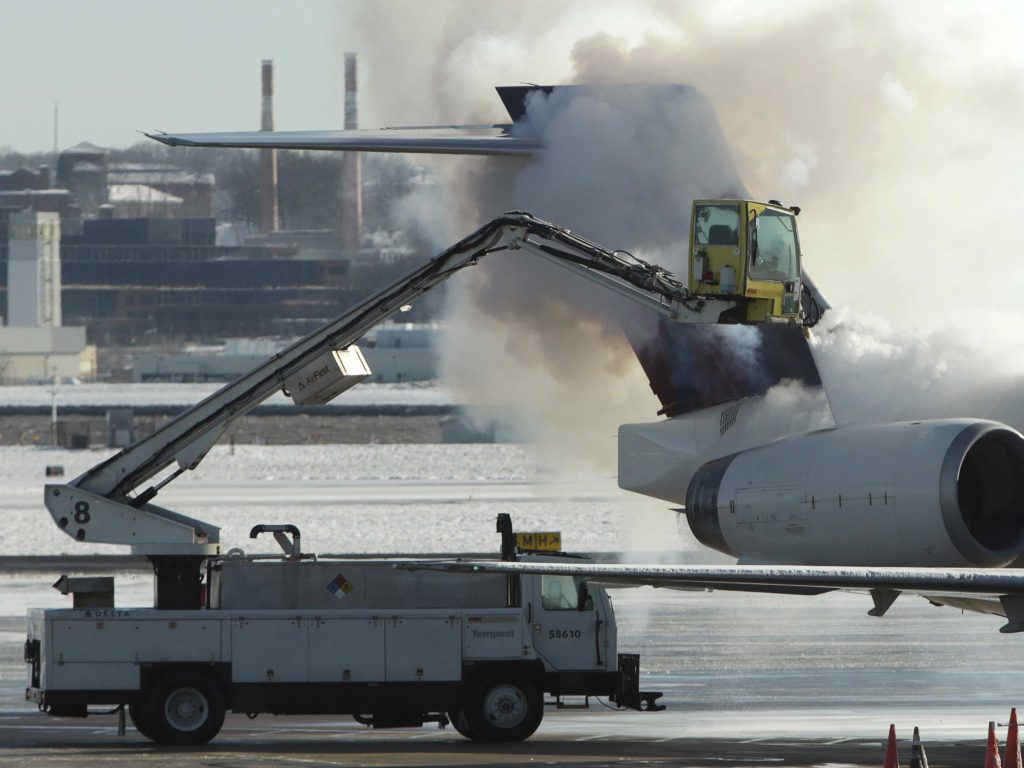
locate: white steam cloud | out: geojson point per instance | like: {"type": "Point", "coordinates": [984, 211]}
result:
{"type": "Point", "coordinates": [876, 373]}
{"type": "Point", "coordinates": [895, 126]}
{"type": "Point", "coordinates": [622, 167]}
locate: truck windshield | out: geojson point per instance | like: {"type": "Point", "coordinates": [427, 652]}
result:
{"type": "Point", "coordinates": [717, 225]}
{"type": "Point", "coordinates": [776, 256]}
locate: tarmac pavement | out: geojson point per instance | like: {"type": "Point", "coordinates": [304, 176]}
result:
{"type": "Point", "coordinates": [32, 740]}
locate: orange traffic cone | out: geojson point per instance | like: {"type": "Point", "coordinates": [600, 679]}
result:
{"type": "Point", "coordinates": [992, 750]}
{"type": "Point", "coordinates": [918, 758]}
{"type": "Point", "coordinates": [892, 760]}
{"type": "Point", "coordinates": [1012, 759]}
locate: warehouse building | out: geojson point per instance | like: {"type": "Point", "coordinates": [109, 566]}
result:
{"type": "Point", "coordinates": [34, 343]}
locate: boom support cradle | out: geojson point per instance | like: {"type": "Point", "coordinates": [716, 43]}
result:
{"type": "Point", "coordinates": [104, 504]}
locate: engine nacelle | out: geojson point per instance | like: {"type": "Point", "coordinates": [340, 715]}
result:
{"type": "Point", "coordinates": [925, 493]}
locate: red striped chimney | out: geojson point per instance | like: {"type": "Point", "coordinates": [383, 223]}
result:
{"type": "Point", "coordinates": [269, 218]}
{"type": "Point", "coordinates": [351, 171]}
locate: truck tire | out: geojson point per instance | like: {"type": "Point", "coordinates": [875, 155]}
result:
{"type": "Point", "coordinates": [461, 724]}
{"type": "Point", "coordinates": [136, 713]}
{"type": "Point", "coordinates": [504, 707]}
{"type": "Point", "coordinates": [184, 707]}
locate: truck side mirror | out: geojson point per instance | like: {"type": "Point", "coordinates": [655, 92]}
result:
{"type": "Point", "coordinates": [583, 600]}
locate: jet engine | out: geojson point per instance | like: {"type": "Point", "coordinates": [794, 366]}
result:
{"type": "Point", "coordinates": [943, 493]}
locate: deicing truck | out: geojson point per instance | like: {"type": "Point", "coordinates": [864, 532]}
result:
{"type": "Point", "coordinates": [298, 634]}
{"type": "Point", "coordinates": [367, 638]}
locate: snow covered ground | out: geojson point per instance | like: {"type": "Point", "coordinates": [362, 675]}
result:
{"type": "Point", "coordinates": [358, 498]}
{"type": "Point", "coordinates": [764, 664]}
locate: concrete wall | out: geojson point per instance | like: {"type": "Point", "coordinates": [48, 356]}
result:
{"type": "Point", "coordinates": [38, 354]}
{"type": "Point", "coordinates": [394, 351]}
{"type": "Point", "coordinates": [406, 364]}
{"type": "Point", "coordinates": [43, 341]}
{"type": "Point", "coordinates": [387, 365]}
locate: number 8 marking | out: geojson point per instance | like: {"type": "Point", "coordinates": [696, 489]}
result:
{"type": "Point", "coordinates": [82, 515]}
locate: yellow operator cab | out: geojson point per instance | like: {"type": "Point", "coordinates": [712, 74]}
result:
{"type": "Point", "coordinates": [750, 251]}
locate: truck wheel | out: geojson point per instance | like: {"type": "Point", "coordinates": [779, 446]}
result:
{"type": "Point", "coordinates": [461, 724]}
{"type": "Point", "coordinates": [505, 708]}
{"type": "Point", "coordinates": [184, 708]}
{"type": "Point", "coordinates": [137, 715]}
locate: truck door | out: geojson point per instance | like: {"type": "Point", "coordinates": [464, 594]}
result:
{"type": "Point", "coordinates": [563, 634]}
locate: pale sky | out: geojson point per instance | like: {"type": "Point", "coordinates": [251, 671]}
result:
{"type": "Point", "coordinates": [867, 104]}
{"type": "Point", "coordinates": [115, 67]}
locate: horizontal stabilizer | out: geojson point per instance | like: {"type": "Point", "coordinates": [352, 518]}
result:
{"type": "Point", "coordinates": [472, 140]}
{"type": "Point", "coordinates": [519, 138]}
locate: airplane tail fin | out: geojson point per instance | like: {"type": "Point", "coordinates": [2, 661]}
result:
{"type": "Point", "coordinates": [725, 389]}
{"type": "Point", "coordinates": [692, 367]}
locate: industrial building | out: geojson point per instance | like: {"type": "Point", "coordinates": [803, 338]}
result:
{"type": "Point", "coordinates": [34, 344]}
{"type": "Point", "coordinates": [136, 281]}
{"type": "Point", "coordinates": [32, 188]}
{"type": "Point", "coordinates": [89, 176]}
{"type": "Point", "coordinates": [131, 281]}
{"type": "Point", "coordinates": [142, 262]}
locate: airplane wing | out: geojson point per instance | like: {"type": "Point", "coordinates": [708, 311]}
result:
{"type": "Point", "coordinates": [997, 591]}
{"type": "Point", "coordinates": [447, 140]}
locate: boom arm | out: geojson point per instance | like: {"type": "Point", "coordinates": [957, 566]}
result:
{"type": "Point", "coordinates": [99, 505]}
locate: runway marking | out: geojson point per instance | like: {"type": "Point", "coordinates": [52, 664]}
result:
{"type": "Point", "coordinates": [752, 741]}
{"type": "Point", "coordinates": [592, 737]}
{"type": "Point", "coordinates": [837, 741]}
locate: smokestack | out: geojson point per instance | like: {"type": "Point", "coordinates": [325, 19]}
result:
{"type": "Point", "coordinates": [269, 220]}
{"type": "Point", "coordinates": [352, 171]}
{"type": "Point", "coordinates": [351, 90]}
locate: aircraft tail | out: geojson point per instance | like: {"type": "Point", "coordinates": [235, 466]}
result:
{"type": "Point", "coordinates": [692, 367]}
{"type": "Point", "coordinates": [725, 389]}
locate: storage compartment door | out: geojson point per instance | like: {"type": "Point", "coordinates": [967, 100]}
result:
{"type": "Point", "coordinates": [424, 649]}
{"type": "Point", "coordinates": [269, 651]}
{"type": "Point", "coordinates": [346, 650]}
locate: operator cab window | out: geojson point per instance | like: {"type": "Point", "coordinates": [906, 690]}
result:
{"type": "Point", "coordinates": [717, 225]}
{"type": "Point", "coordinates": [561, 593]}
{"type": "Point", "coordinates": [776, 256]}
